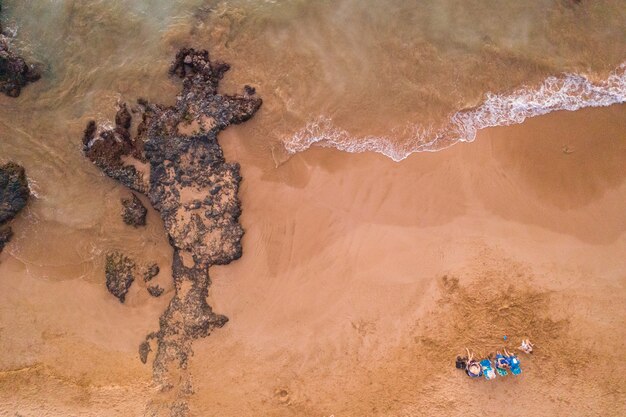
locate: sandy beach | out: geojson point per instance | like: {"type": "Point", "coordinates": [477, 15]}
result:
{"type": "Point", "coordinates": [363, 279]}
{"type": "Point", "coordinates": [414, 179]}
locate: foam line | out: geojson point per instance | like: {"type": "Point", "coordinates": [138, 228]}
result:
{"type": "Point", "coordinates": [566, 92]}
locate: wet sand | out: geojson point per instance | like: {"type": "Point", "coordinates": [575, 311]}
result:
{"type": "Point", "coordinates": [339, 305]}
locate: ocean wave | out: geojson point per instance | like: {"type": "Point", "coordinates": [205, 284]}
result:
{"type": "Point", "coordinates": [566, 92]}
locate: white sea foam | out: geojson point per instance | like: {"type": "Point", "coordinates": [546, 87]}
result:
{"type": "Point", "coordinates": [566, 92]}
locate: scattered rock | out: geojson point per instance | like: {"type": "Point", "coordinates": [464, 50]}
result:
{"type": "Point", "coordinates": [120, 274]}
{"type": "Point", "coordinates": [15, 73]}
{"type": "Point", "coordinates": [14, 193]}
{"type": "Point", "coordinates": [144, 351]}
{"type": "Point", "coordinates": [151, 272]}
{"type": "Point", "coordinates": [155, 290]}
{"type": "Point", "coordinates": [175, 159]}
{"type": "Point", "coordinates": [134, 213]}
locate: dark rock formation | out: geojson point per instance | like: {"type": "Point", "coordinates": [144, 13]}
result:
{"type": "Point", "coordinates": [107, 151]}
{"type": "Point", "coordinates": [134, 213]}
{"type": "Point", "coordinates": [15, 73]}
{"type": "Point", "coordinates": [151, 272]}
{"type": "Point", "coordinates": [5, 235]}
{"type": "Point", "coordinates": [155, 290]}
{"type": "Point", "coordinates": [14, 193]}
{"type": "Point", "coordinates": [144, 351]}
{"type": "Point", "coordinates": [123, 117]}
{"type": "Point", "coordinates": [175, 159]}
{"type": "Point", "coordinates": [120, 274]}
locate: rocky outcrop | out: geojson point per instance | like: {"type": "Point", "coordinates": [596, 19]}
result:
{"type": "Point", "coordinates": [5, 236]}
{"type": "Point", "coordinates": [133, 211]}
{"type": "Point", "coordinates": [175, 160]}
{"type": "Point", "coordinates": [14, 193]}
{"type": "Point", "coordinates": [120, 274]}
{"type": "Point", "coordinates": [15, 73]}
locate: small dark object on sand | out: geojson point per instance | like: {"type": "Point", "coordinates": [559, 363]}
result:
{"type": "Point", "coordinates": [5, 236]}
{"type": "Point", "coordinates": [461, 362]}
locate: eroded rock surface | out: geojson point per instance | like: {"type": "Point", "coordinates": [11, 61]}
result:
{"type": "Point", "coordinates": [176, 161]}
{"type": "Point", "coordinates": [133, 211]}
{"type": "Point", "coordinates": [155, 290]}
{"type": "Point", "coordinates": [151, 272]}
{"type": "Point", "coordinates": [5, 236]}
{"type": "Point", "coordinates": [15, 72]}
{"type": "Point", "coordinates": [14, 193]}
{"type": "Point", "coordinates": [120, 274]}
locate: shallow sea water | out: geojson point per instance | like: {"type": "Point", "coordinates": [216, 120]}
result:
{"type": "Point", "coordinates": [358, 75]}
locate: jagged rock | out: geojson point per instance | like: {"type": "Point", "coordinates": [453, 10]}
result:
{"type": "Point", "coordinates": [14, 193]}
{"type": "Point", "coordinates": [15, 73]}
{"type": "Point", "coordinates": [5, 235]}
{"type": "Point", "coordinates": [134, 213]}
{"type": "Point", "coordinates": [155, 290]}
{"type": "Point", "coordinates": [187, 317]}
{"type": "Point", "coordinates": [106, 149]}
{"type": "Point", "coordinates": [120, 274]}
{"type": "Point", "coordinates": [123, 117]}
{"type": "Point", "coordinates": [175, 159]}
{"type": "Point", "coordinates": [151, 272]}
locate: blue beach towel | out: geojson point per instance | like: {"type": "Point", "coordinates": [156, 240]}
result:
{"type": "Point", "coordinates": [500, 359]}
{"type": "Point", "coordinates": [514, 364]}
{"type": "Point", "coordinates": [488, 371]}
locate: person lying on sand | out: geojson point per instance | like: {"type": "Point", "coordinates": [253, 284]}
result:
{"type": "Point", "coordinates": [513, 361]}
{"type": "Point", "coordinates": [472, 367]}
{"type": "Point", "coordinates": [526, 346]}
{"type": "Point", "coordinates": [502, 364]}
{"type": "Point", "coordinates": [501, 361]}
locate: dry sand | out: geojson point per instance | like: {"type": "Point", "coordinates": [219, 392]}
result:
{"type": "Point", "coordinates": [361, 281]}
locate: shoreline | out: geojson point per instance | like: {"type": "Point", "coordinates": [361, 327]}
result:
{"type": "Point", "coordinates": [359, 279]}
{"type": "Point", "coordinates": [326, 301]}
{"type": "Point", "coordinates": [339, 264]}
{"type": "Point", "coordinates": [563, 92]}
